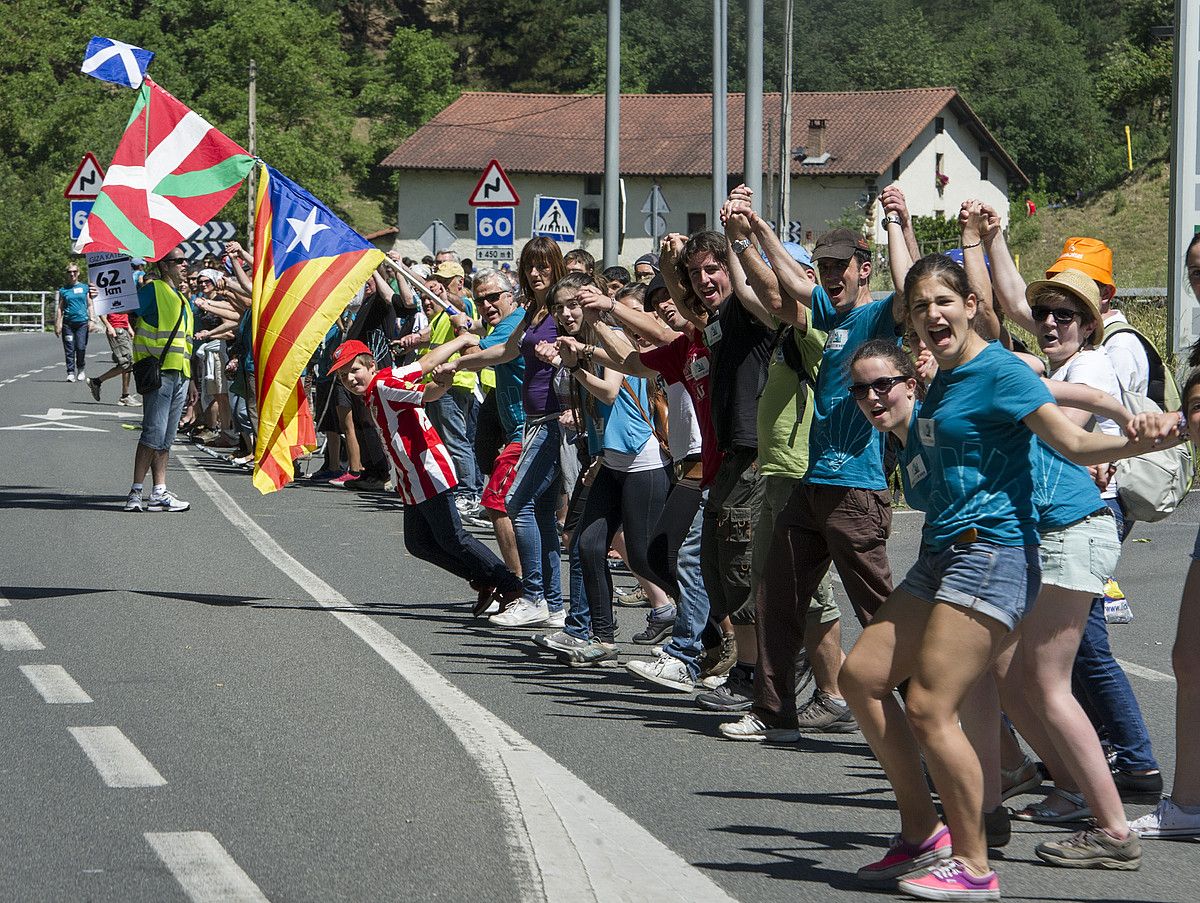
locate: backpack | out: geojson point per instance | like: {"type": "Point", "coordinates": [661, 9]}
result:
{"type": "Point", "coordinates": [1152, 485]}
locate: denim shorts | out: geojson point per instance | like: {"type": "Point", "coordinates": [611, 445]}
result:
{"type": "Point", "coordinates": [998, 581]}
{"type": "Point", "coordinates": [161, 409]}
{"type": "Point", "coordinates": [1082, 556]}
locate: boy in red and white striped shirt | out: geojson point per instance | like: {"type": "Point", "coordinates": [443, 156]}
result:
{"type": "Point", "coordinates": [422, 470]}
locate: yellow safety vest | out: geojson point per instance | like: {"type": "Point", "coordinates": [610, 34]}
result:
{"type": "Point", "coordinates": [151, 340]}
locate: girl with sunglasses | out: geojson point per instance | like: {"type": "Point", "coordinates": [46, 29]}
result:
{"type": "Point", "coordinates": [966, 458]}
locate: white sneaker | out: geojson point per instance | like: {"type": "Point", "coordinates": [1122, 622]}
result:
{"type": "Point", "coordinates": [134, 502]}
{"type": "Point", "coordinates": [129, 401]}
{"type": "Point", "coordinates": [70, 377]}
{"type": "Point", "coordinates": [523, 613]}
{"type": "Point", "coordinates": [167, 502]}
{"type": "Point", "coordinates": [556, 619]}
{"type": "Point", "coordinates": [666, 671]}
{"type": "Point", "coordinates": [751, 727]}
{"type": "Point", "coordinates": [1167, 820]}
{"type": "Point", "coordinates": [81, 376]}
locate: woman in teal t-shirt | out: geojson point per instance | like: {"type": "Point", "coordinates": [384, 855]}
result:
{"type": "Point", "coordinates": [977, 573]}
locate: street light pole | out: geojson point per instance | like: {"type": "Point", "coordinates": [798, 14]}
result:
{"type": "Point", "coordinates": [720, 130]}
{"type": "Point", "coordinates": [785, 123]}
{"type": "Point", "coordinates": [612, 137]}
{"type": "Point", "coordinates": [752, 170]}
{"type": "Point", "coordinates": [252, 136]}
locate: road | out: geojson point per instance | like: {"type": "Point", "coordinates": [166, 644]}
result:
{"type": "Point", "coordinates": [265, 698]}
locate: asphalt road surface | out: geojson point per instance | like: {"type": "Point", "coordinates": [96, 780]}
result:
{"type": "Point", "coordinates": [265, 698]}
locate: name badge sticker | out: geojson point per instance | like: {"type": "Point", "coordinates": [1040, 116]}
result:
{"type": "Point", "coordinates": [699, 367]}
{"type": "Point", "coordinates": [916, 470]}
{"type": "Point", "coordinates": [712, 333]}
{"type": "Point", "coordinates": [837, 339]}
{"type": "Point", "coordinates": [927, 430]}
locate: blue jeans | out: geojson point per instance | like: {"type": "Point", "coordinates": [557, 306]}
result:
{"type": "Point", "coordinates": [433, 532]}
{"type": "Point", "coordinates": [451, 415]}
{"type": "Point", "coordinates": [532, 503]}
{"type": "Point", "coordinates": [75, 339]}
{"type": "Point", "coordinates": [691, 608]}
{"type": "Point", "coordinates": [1103, 690]}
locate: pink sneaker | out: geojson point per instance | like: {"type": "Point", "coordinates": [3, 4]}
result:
{"type": "Point", "coordinates": [345, 479]}
{"type": "Point", "coordinates": [904, 858]}
{"type": "Point", "coordinates": [951, 881]}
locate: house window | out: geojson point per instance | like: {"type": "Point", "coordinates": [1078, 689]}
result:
{"type": "Point", "coordinates": [983, 167]}
{"type": "Point", "coordinates": [939, 125]}
{"type": "Point", "coordinates": [896, 170]}
{"type": "Point", "coordinates": [591, 219]}
{"type": "Point", "coordinates": [697, 222]}
{"type": "Point", "coordinates": [462, 222]}
{"type": "Point", "coordinates": [939, 164]}
{"type": "Point", "coordinates": [939, 214]}
{"type": "Point", "coordinates": [593, 185]}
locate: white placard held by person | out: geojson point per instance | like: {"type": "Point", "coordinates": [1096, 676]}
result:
{"type": "Point", "coordinates": [112, 277]}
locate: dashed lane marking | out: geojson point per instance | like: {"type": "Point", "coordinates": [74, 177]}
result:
{"type": "Point", "coordinates": [15, 636]}
{"type": "Point", "coordinates": [120, 763]}
{"type": "Point", "coordinates": [54, 684]}
{"type": "Point", "coordinates": [203, 868]}
{"type": "Point", "coordinates": [565, 840]}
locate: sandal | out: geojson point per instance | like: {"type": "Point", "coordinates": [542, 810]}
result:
{"type": "Point", "coordinates": [1043, 814]}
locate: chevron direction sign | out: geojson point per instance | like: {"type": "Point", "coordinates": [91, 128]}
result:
{"type": "Point", "coordinates": [208, 241]}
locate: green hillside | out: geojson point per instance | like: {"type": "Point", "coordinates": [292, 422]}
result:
{"type": "Point", "coordinates": [1133, 219]}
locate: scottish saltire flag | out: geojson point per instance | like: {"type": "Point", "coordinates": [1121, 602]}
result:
{"type": "Point", "coordinates": [116, 61]}
{"type": "Point", "coordinates": [171, 174]}
{"type": "Point", "coordinates": [307, 266]}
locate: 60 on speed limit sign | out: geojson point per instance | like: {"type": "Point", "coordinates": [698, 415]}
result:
{"type": "Point", "coordinates": [494, 228]}
{"type": "Point", "coordinates": [79, 216]}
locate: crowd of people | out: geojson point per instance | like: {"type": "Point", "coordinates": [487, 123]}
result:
{"type": "Point", "coordinates": [737, 400]}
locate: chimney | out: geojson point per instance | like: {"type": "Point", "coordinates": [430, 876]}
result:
{"type": "Point", "coordinates": [816, 138]}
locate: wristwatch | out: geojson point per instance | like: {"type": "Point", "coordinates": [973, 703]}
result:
{"type": "Point", "coordinates": [892, 218]}
{"type": "Point", "coordinates": [740, 245]}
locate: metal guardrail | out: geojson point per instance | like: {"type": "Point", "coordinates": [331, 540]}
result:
{"type": "Point", "coordinates": [23, 311]}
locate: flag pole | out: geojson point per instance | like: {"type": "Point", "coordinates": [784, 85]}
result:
{"type": "Point", "coordinates": [420, 286]}
{"type": "Point", "coordinates": [252, 183]}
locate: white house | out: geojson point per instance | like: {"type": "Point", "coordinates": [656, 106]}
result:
{"type": "Point", "coordinates": [846, 147]}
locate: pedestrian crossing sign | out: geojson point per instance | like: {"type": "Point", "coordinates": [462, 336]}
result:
{"type": "Point", "coordinates": [556, 218]}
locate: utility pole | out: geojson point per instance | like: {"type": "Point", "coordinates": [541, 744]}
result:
{"type": "Point", "coordinates": [612, 137]}
{"type": "Point", "coordinates": [1183, 321]}
{"type": "Point", "coordinates": [785, 124]}
{"type": "Point", "coordinates": [252, 182]}
{"type": "Point", "coordinates": [752, 170]}
{"type": "Point", "coordinates": [720, 129]}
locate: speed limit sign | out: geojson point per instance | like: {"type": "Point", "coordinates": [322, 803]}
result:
{"type": "Point", "coordinates": [79, 215]}
{"type": "Point", "coordinates": [494, 225]}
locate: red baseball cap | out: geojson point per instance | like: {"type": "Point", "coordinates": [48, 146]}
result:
{"type": "Point", "coordinates": [346, 352]}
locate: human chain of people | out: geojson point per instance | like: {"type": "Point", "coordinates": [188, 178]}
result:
{"type": "Point", "coordinates": [745, 401]}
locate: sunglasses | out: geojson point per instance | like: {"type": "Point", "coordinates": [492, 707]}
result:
{"type": "Point", "coordinates": [881, 386]}
{"type": "Point", "coordinates": [1062, 315]}
{"type": "Point", "coordinates": [175, 260]}
{"type": "Point", "coordinates": [491, 297]}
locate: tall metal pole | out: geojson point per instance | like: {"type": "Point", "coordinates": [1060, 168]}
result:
{"type": "Point", "coordinates": [252, 135]}
{"type": "Point", "coordinates": [1183, 320]}
{"type": "Point", "coordinates": [785, 123]}
{"type": "Point", "coordinates": [612, 137]}
{"type": "Point", "coordinates": [720, 130]}
{"type": "Point", "coordinates": [753, 166]}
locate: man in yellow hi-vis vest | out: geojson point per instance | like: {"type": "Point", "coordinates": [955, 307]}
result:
{"type": "Point", "coordinates": [164, 331]}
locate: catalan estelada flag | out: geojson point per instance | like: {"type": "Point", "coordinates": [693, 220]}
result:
{"type": "Point", "coordinates": [307, 266]}
{"type": "Point", "coordinates": [171, 173]}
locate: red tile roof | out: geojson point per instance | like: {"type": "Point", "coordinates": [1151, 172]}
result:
{"type": "Point", "coordinates": [669, 134]}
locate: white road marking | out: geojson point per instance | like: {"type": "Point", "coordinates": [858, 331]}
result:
{"type": "Point", "coordinates": [120, 763]}
{"type": "Point", "coordinates": [1147, 673]}
{"type": "Point", "coordinates": [565, 840]}
{"type": "Point", "coordinates": [203, 868]}
{"type": "Point", "coordinates": [15, 636]}
{"type": "Point", "coordinates": [3, 602]}
{"type": "Point", "coordinates": [54, 684]}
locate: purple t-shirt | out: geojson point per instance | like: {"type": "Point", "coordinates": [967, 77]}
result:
{"type": "Point", "coordinates": [537, 392]}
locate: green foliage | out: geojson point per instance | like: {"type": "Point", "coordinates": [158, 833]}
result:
{"type": "Point", "coordinates": [935, 233]}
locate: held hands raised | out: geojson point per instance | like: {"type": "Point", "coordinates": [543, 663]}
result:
{"type": "Point", "coordinates": [978, 222]}
{"type": "Point", "coordinates": [893, 202]}
{"type": "Point", "coordinates": [547, 353]}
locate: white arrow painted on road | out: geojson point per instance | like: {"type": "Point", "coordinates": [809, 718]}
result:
{"type": "Point", "coordinates": [55, 420]}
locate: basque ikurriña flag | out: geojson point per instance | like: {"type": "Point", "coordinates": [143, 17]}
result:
{"type": "Point", "coordinates": [171, 174]}
{"type": "Point", "coordinates": [307, 266]}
